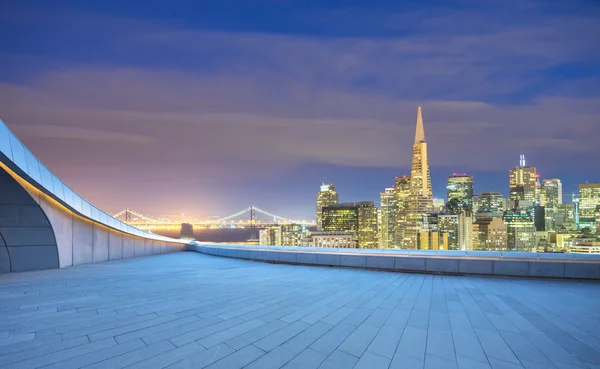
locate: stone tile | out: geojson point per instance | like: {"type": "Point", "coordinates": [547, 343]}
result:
{"type": "Point", "coordinates": [359, 340]}
{"type": "Point", "coordinates": [238, 359]}
{"type": "Point", "coordinates": [273, 359]}
{"type": "Point", "coordinates": [339, 360]}
{"type": "Point", "coordinates": [203, 358]}
{"type": "Point", "coordinates": [277, 338]}
{"type": "Point", "coordinates": [307, 359]}
{"type": "Point", "coordinates": [373, 361]}
{"type": "Point", "coordinates": [385, 342]}
{"type": "Point", "coordinates": [330, 341]}
{"type": "Point", "coordinates": [412, 343]}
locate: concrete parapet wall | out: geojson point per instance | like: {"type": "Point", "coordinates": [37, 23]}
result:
{"type": "Point", "coordinates": [481, 265]}
{"type": "Point", "coordinates": [37, 232]}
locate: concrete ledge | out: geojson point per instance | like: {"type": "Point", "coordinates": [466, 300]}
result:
{"type": "Point", "coordinates": [548, 268]}
{"type": "Point", "coordinates": [328, 259]}
{"type": "Point", "coordinates": [441, 265]}
{"type": "Point", "coordinates": [353, 261]}
{"type": "Point", "coordinates": [288, 257]}
{"type": "Point", "coordinates": [410, 264]}
{"type": "Point", "coordinates": [582, 270]}
{"type": "Point", "coordinates": [470, 266]}
{"type": "Point", "coordinates": [511, 268]}
{"type": "Point", "coordinates": [380, 262]}
{"type": "Point", "coordinates": [306, 258]}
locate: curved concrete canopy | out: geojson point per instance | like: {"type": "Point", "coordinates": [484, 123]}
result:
{"type": "Point", "coordinates": [82, 233]}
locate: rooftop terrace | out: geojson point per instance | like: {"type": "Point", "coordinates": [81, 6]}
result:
{"type": "Point", "coordinates": [194, 310]}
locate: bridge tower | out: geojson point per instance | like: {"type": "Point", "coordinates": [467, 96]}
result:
{"type": "Point", "coordinates": [127, 215]}
{"type": "Point", "coordinates": [253, 231]}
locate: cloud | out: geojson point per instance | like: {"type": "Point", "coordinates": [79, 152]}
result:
{"type": "Point", "coordinates": [84, 134]}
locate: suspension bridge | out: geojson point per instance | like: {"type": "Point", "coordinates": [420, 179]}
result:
{"type": "Point", "coordinates": [250, 217]}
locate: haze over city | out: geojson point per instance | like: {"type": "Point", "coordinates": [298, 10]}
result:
{"type": "Point", "coordinates": [204, 110]}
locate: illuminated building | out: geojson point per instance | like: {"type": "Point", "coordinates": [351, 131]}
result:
{"type": "Point", "coordinates": [293, 234]}
{"type": "Point", "coordinates": [489, 234]}
{"type": "Point", "coordinates": [271, 236]}
{"type": "Point", "coordinates": [430, 237]}
{"type": "Point", "coordinates": [489, 205]}
{"type": "Point", "coordinates": [459, 228]}
{"type": "Point", "coordinates": [523, 182]}
{"type": "Point", "coordinates": [420, 201]}
{"type": "Point", "coordinates": [521, 233]}
{"type": "Point", "coordinates": [387, 223]}
{"type": "Point", "coordinates": [589, 201]}
{"type": "Point", "coordinates": [330, 239]}
{"type": "Point", "coordinates": [326, 196]}
{"type": "Point", "coordinates": [341, 218]}
{"type": "Point", "coordinates": [460, 187]}
{"type": "Point", "coordinates": [402, 192]}
{"type": "Point", "coordinates": [552, 187]}
{"type": "Point", "coordinates": [187, 231]}
{"type": "Point", "coordinates": [564, 219]}
{"type": "Point", "coordinates": [367, 225]}
{"type": "Point", "coordinates": [438, 205]}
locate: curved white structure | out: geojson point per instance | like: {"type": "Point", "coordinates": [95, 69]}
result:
{"type": "Point", "coordinates": [44, 224]}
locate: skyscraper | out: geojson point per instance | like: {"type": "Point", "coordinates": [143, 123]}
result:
{"type": "Point", "coordinates": [341, 218]}
{"type": "Point", "coordinates": [367, 225]}
{"type": "Point", "coordinates": [520, 230]}
{"type": "Point", "coordinates": [589, 202]}
{"type": "Point", "coordinates": [387, 225]}
{"type": "Point", "coordinates": [402, 193]}
{"type": "Point", "coordinates": [460, 187]}
{"type": "Point", "coordinates": [420, 201]}
{"type": "Point", "coordinates": [326, 196]}
{"type": "Point", "coordinates": [523, 182]}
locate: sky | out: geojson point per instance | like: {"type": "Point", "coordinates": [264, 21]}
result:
{"type": "Point", "coordinates": [208, 107]}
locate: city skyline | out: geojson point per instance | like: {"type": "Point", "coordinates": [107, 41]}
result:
{"type": "Point", "coordinates": [202, 123]}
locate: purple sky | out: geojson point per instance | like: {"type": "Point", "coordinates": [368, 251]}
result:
{"type": "Point", "coordinates": [211, 108]}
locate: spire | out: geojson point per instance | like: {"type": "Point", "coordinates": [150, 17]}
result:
{"type": "Point", "coordinates": [420, 133]}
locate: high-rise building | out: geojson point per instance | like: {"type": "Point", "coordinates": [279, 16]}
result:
{"type": "Point", "coordinates": [402, 192]}
{"type": "Point", "coordinates": [387, 224]}
{"type": "Point", "coordinates": [491, 202]}
{"type": "Point", "coordinates": [489, 234]}
{"type": "Point", "coordinates": [420, 201]}
{"type": "Point", "coordinates": [521, 233]}
{"type": "Point", "coordinates": [342, 240]}
{"type": "Point", "coordinates": [460, 187]}
{"type": "Point", "coordinates": [271, 236]}
{"type": "Point", "coordinates": [326, 196]}
{"type": "Point", "coordinates": [293, 234]}
{"type": "Point", "coordinates": [589, 204]}
{"type": "Point", "coordinates": [523, 182]}
{"type": "Point", "coordinates": [341, 218]}
{"type": "Point", "coordinates": [367, 225]}
{"type": "Point", "coordinates": [459, 228]}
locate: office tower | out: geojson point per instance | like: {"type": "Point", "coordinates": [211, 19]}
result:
{"type": "Point", "coordinates": [341, 218]}
{"type": "Point", "coordinates": [564, 219]}
{"type": "Point", "coordinates": [539, 218]}
{"type": "Point", "coordinates": [430, 236]}
{"type": "Point", "coordinates": [326, 196]}
{"type": "Point", "coordinates": [367, 225]}
{"type": "Point", "coordinates": [523, 182]}
{"type": "Point", "coordinates": [271, 236]}
{"type": "Point", "coordinates": [438, 204]}
{"type": "Point", "coordinates": [460, 187]}
{"type": "Point", "coordinates": [420, 201]}
{"type": "Point", "coordinates": [459, 228]}
{"type": "Point", "coordinates": [589, 202]}
{"type": "Point", "coordinates": [489, 234]}
{"type": "Point", "coordinates": [520, 230]}
{"type": "Point", "coordinates": [553, 189]}
{"type": "Point", "coordinates": [293, 234]}
{"type": "Point", "coordinates": [187, 231]}
{"type": "Point", "coordinates": [491, 202]}
{"type": "Point", "coordinates": [402, 192]}
{"type": "Point", "coordinates": [387, 224]}
{"type": "Point", "coordinates": [342, 240]}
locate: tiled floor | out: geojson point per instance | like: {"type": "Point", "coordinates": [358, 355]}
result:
{"type": "Point", "coordinates": [189, 310]}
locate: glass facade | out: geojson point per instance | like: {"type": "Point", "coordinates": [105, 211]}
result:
{"type": "Point", "coordinates": [326, 196]}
